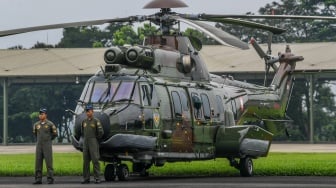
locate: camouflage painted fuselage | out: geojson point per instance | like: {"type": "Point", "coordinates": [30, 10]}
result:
{"type": "Point", "coordinates": [164, 106]}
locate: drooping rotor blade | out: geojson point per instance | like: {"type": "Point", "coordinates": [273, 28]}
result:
{"type": "Point", "coordinates": [227, 19]}
{"type": "Point", "coordinates": [250, 24]}
{"type": "Point", "coordinates": [66, 25]}
{"type": "Point", "coordinates": [274, 17]}
{"type": "Point", "coordinates": [219, 35]}
{"type": "Point", "coordinates": [165, 4]}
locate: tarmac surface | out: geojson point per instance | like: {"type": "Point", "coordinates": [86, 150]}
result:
{"type": "Point", "coordinates": [185, 181]}
{"type": "Point", "coordinates": [303, 148]}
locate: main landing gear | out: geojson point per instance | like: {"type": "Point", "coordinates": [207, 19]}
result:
{"type": "Point", "coordinates": [245, 166]}
{"type": "Point", "coordinates": [116, 170]}
{"type": "Point", "coordinates": [120, 171]}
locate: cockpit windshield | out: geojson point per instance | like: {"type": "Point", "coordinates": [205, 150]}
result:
{"type": "Point", "coordinates": [116, 91]}
{"type": "Point", "coordinates": [103, 92]}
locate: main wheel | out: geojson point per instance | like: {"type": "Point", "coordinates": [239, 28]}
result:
{"type": "Point", "coordinates": [141, 168]}
{"type": "Point", "coordinates": [122, 172]}
{"type": "Point", "coordinates": [109, 173]}
{"type": "Point", "coordinates": [246, 167]}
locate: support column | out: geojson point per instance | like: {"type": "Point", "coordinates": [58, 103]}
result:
{"type": "Point", "coordinates": [311, 109]}
{"type": "Point", "coordinates": [5, 112]}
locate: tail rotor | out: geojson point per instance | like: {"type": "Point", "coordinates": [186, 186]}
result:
{"type": "Point", "coordinates": [268, 58]}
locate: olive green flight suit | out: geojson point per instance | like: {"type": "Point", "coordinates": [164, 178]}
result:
{"type": "Point", "coordinates": [45, 132]}
{"type": "Point", "coordinates": [92, 131]}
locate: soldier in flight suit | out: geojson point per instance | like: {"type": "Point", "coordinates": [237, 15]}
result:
{"type": "Point", "coordinates": [45, 131]}
{"type": "Point", "coordinates": [92, 131]}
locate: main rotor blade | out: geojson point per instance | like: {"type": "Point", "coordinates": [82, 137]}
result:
{"type": "Point", "coordinates": [271, 16]}
{"type": "Point", "coordinates": [250, 24]}
{"type": "Point", "coordinates": [219, 35]}
{"type": "Point", "coordinates": [66, 25]}
{"type": "Point", "coordinates": [227, 19]}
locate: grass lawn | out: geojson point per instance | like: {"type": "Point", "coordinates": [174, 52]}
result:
{"type": "Point", "coordinates": [276, 164]}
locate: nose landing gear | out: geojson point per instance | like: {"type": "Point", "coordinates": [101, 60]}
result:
{"type": "Point", "coordinates": [245, 166]}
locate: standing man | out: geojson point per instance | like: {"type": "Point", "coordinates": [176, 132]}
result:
{"type": "Point", "coordinates": [92, 131]}
{"type": "Point", "coordinates": [45, 131]}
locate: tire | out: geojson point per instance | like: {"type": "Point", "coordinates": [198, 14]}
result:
{"type": "Point", "coordinates": [246, 167]}
{"type": "Point", "coordinates": [141, 168]}
{"type": "Point", "coordinates": [122, 172]}
{"type": "Point", "coordinates": [109, 173]}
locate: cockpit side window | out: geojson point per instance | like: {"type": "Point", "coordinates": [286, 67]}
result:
{"type": "Point", "coordinates": [136, 95]}
{"type": "Point", "coordinates": [86, 95]}
{"type": "Point", "coordinates": [145, 95]}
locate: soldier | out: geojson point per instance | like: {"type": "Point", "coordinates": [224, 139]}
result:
{"type": "Point", "coordinates": [92, 131]}
{"type": "Point", "coordinates": [45, 131]}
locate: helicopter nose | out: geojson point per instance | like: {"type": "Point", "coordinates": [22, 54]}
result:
{"type": "Point", "coordinates": [105, 121]}
{"type": "Point", "coordinates": [103, 118]}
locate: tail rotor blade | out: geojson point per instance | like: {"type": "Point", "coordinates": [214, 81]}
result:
{"type": "Point", "coordinates": [256, 46]}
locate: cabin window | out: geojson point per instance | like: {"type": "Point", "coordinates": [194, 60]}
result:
{"type": "Point", "coordinates": [184, 101]}
{"type": "Point", "coordinates": [165, 104]}
{"type": "Point", "coordinates": [220, 106]}
{"type": "Point", "coordinates": [233, 108]}
{"type": "Point", "coordinates": [206, 106]}
{"type": "Point", "coordinates": [197, 104]}
{"type": "Point", "coordinates": [177, 103]}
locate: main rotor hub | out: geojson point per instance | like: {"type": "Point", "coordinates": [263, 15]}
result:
{"type": "Point", "coordinates": [164, 4]}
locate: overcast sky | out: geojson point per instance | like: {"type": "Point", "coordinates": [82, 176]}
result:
{"type": "Point", "coordinates": [25, 13]}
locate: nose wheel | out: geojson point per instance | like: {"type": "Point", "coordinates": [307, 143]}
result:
{"type": "Point", "coordinates": [246, 167]}
{"type": "Point", "coordinates": [116, 170]}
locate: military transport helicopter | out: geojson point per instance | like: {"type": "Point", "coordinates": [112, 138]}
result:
{"type": "Point", "coordinates": [158, 103]}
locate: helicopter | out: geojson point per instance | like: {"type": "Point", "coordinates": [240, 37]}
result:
{"type": "Point", "coordinates": [158, 103]}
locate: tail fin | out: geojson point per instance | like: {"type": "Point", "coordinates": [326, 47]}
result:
{"type": "Point", "coordinates": [283, 80]}
{"type": "Point", "coordinates": [272, 105]}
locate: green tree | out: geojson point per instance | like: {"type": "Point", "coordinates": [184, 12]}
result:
{"type": "Point", "coordinates": [18, 47]}
{"type": "Point", "coordinates": [146, 30]}
{"type": "Point", "coordinates": [125, 35]}
{"type": "Point", "coordinates": [81, 37]}
{"type": "Point", "coordinates": [297, 30]}
{"type": "Point", "coordinates": [42, 45]}
{"type": "Point", "coordinates": [303, 30]}
{"type": "Point", "coordinates": [324, 111]}
{"type": "Point", "coordinates": [25, 101]}
{"type": "Point", "coordinates": [201, 36]}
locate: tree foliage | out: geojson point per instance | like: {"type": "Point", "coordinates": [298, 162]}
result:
{"type": "Point", "coordinates": [42, 45]}
{"type": "Point", "coordinates": [297, 30]}
{"type": "Point", "coordinates": [324, 111]}
{"type": "Point", "coordinates": [26, 100]}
